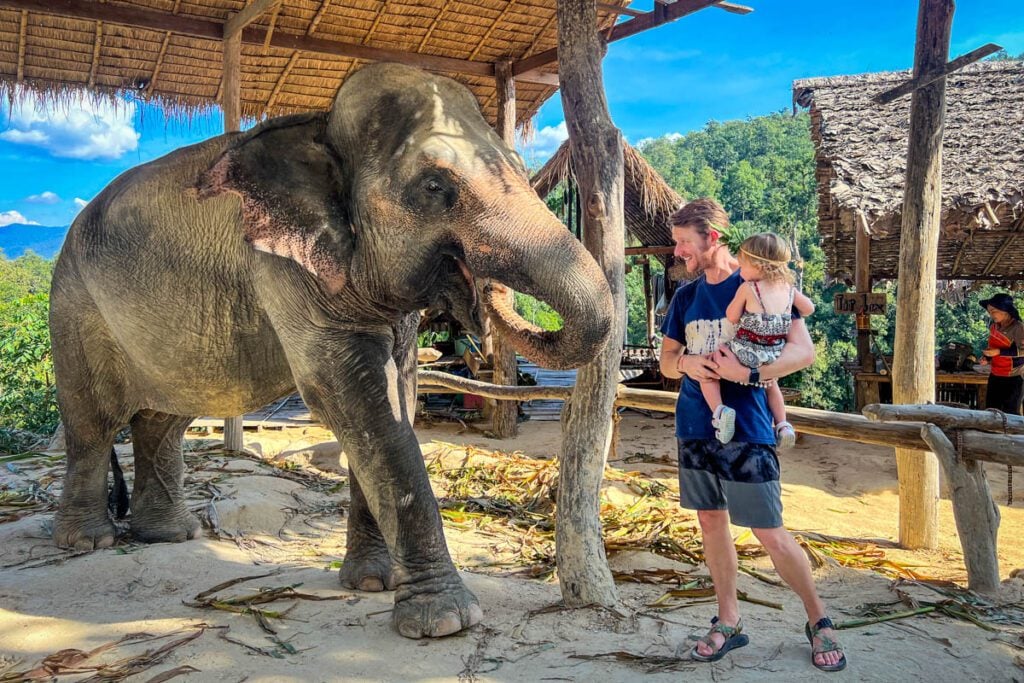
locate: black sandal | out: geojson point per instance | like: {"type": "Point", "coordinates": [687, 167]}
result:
{"type": "Point", "coordinates": [827, 645]}
{"type": "Point", "coordinates": [734, 638]}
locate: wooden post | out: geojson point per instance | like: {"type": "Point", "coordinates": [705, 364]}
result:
{"type": "Point", "coordinates": [504, 416]}
{"type": "Point", "coordinates": [231, 104]}
{"type": "Point", "coordinates": [914, 352]}
{"type": "Point", "coordinates": [648, 304]}
{"type": "Point", "coordinates": [863, 285]}
{"type": "Point", "coordinates": [596, 148]}
{"type": "Point", "coordinates": [976, 515]}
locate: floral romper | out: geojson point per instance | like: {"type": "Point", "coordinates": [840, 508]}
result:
{"type": "Point", "coordinates": [760, 336]}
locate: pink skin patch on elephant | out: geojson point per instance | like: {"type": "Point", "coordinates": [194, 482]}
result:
{"type": "Point", "coordinates": [269, 234]}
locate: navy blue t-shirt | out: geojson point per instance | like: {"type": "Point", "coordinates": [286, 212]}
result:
{"type": "Point", "coordinates": [696, 319]}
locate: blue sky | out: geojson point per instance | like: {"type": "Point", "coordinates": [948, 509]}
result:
{"type": "Point", "coordinates": [674, 79]}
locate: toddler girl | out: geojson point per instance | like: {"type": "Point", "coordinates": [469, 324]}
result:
{"type": "Point", "coordinates": [762, 310]}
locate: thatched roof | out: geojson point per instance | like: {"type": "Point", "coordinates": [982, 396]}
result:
{"type": "Point", "coordinates": [170, 51]}
{"type": "Point", "coordinates": [649, 201]}
{"type": "Point", "coordinates": [861, 150]}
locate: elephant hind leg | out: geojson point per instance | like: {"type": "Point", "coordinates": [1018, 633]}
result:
{"type": "Point", "coordinates": [367, 565]}
{"type": "Point", "coordinates": [92, 407]}
{"type": "Point", "coordinates": [159, 511]}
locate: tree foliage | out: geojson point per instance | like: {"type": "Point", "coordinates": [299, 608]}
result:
{"type": "Point", "coordinates": [27, 390]}
{"type": "Point", "coordinates": [762, 172]}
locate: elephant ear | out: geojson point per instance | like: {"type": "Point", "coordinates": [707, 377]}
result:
{"type": "Point", "coordinates": [292, 193]}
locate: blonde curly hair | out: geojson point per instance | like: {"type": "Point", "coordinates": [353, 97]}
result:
{"type": "Point", "coordinates": [771, 254]}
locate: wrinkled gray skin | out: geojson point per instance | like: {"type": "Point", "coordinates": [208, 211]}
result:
{"type": "Point", "coordinates": [218, 278]}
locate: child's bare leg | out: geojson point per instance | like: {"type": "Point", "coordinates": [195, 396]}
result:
{"type": "Point", "coordinates": [712, 392]}
{"type": "Point", "coordinates": [785, 436]}
{"type": "Point", "coordinates": [776, 403]}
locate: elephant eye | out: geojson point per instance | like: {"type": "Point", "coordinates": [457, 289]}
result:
{"type": "Point", "coordinates": [434, 186]}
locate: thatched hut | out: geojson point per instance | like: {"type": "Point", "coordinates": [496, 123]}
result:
{"type": "Point", "coordinates": [861, 151]}
{"type": "Point", "coordinates": [647, 204]}
{"type": "Point", "coordinates": [649, 200]}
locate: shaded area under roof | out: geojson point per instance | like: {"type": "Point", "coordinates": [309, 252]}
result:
{"type": "Point", "coordinates": [861, 150]}
{"type": "Point", "coordinates": [47, 50]}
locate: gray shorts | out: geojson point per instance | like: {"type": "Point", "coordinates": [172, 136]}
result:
{"type": "Point", "coordinates": [742, 478]}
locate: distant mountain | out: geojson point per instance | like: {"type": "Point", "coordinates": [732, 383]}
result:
{"type": "Point", "coordinates": [15, 239]}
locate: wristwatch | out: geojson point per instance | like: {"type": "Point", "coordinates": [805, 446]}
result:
{"type": "Point", "coordinates": [755, 376]}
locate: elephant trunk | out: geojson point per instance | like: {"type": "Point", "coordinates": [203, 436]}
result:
{"type": "Point", "coordinates": [548, 263]}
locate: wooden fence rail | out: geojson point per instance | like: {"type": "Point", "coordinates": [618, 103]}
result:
{"type": "Point", "coordinates": [958, 437]}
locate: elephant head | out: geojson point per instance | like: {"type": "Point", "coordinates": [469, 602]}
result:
{"type": "Point", "coordinates": [402, 197]}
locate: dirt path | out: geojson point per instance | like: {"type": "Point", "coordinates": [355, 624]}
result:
{"type": "Point", "coordinates": [285, 517]}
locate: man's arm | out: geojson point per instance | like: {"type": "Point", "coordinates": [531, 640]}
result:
{"type": "Point", "coordinates": [796, 355]}
{"type": "Point", "coordinates": [675, 362]}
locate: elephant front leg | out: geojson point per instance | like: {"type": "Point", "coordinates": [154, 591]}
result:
{"type": "Point", "coordinates": [367, 565]}
{"type": "Point", "coordinates": [355, 389]}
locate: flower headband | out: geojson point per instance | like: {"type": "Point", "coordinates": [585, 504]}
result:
{"type": "Point", "coordinates": [762, 258]}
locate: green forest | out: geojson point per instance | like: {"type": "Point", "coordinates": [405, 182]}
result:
{"type": "Point", "coordinates": [760, 169]}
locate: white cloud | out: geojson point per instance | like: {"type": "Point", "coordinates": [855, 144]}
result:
{"type": "Point", "coordinates": [544, 144]}
{"type": "Point", "coordinates": [11, 217]}
{"type": "Point", "coordinates": [83, 129]}
{"type": "Point", "coordinates": [671, 137]}
{"type": "Point", "coordinates": [80, 203]}
{"type": "Point", "coordinates": [45, 197]}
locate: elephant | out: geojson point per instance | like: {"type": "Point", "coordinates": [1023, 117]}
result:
{"type": "Point", "coordinates": [298, 254]}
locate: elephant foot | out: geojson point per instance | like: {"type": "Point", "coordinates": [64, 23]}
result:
{"type": "Point", "coordinates": [371, 573]}
{"type": "Point", "coordinates": [162, 528]}
{"type": "Point", "coordinates": [81, 533]}
{"type": "Point", "coordinates": [437, 614]}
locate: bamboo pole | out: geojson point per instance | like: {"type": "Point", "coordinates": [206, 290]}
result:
{"type": "Point", "coordinates": [596, 148]}
{"type": "Point", "coordinates": [504, 415]}
{"type": "Point", "coordinates": [914, 352]}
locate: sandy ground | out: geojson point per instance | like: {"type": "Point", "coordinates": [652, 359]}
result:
{"type": "Point", "coordinates": [279, 512]}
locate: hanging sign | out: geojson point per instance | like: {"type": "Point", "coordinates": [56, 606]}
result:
{"type": "Point", "coordinates": [860, 303]}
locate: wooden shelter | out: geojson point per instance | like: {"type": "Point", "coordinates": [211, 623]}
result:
{"type": "Point", "coordinates": [861, 151]}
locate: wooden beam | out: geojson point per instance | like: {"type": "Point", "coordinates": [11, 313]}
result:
{"type": "Point", "coordinates": [862, 284]}
{"type": "Point", "coordinates": [733, 8]}
{"type": "Point", "coordinates": [280, 81]}
{"type": "Point", "coordinates": [433, 25]}
{"type": "Point", "coordinates": [930, 77]}
{"type": "Point", "coordinates": [648, 251]}
{"type": "Point", "coordinates": [270, 27]}
{"type": "Point", "coordinates": [913, 379]}
{"type": "Point", "coordinates": [505, 415]}
{"type": "Point", "coordinates": [125, 15]}
{"type": "Point", "coordinates": [975, 513]}
{"type": "Point", "coordinates": [239, 21]}
{"type": "Point", "coordinates": [318, 17]}
{"type": "Point", "coordinates": [649, 20]}
{"type": "Point", "coordinates": [946, 417]}
{"type": "Point", "coordinates": [97, 42]}
{"type": "Point", "coordinates": [159, 64]}
{"type": "Point", "coordinates": [381, 11]}
{"type": "Point", "coordinates": [490, 30]}
{"type": "Point", "coordinates": [22, 37]}
{"type": "Point", "coordinates": [616, 9]}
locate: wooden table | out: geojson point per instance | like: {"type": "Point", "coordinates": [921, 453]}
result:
{"type": "Point", "coordinates": [968, 388]}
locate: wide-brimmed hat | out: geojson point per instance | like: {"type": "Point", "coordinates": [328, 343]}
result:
{"type": "Point", "coordinates": [1003, 302]}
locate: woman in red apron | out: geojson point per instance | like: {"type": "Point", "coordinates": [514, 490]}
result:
{"type": "Point", "coordinates": [1006, 354]}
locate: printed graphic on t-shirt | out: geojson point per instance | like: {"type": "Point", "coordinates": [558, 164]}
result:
{"type": "Point", "coordinates": [705, 336]}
